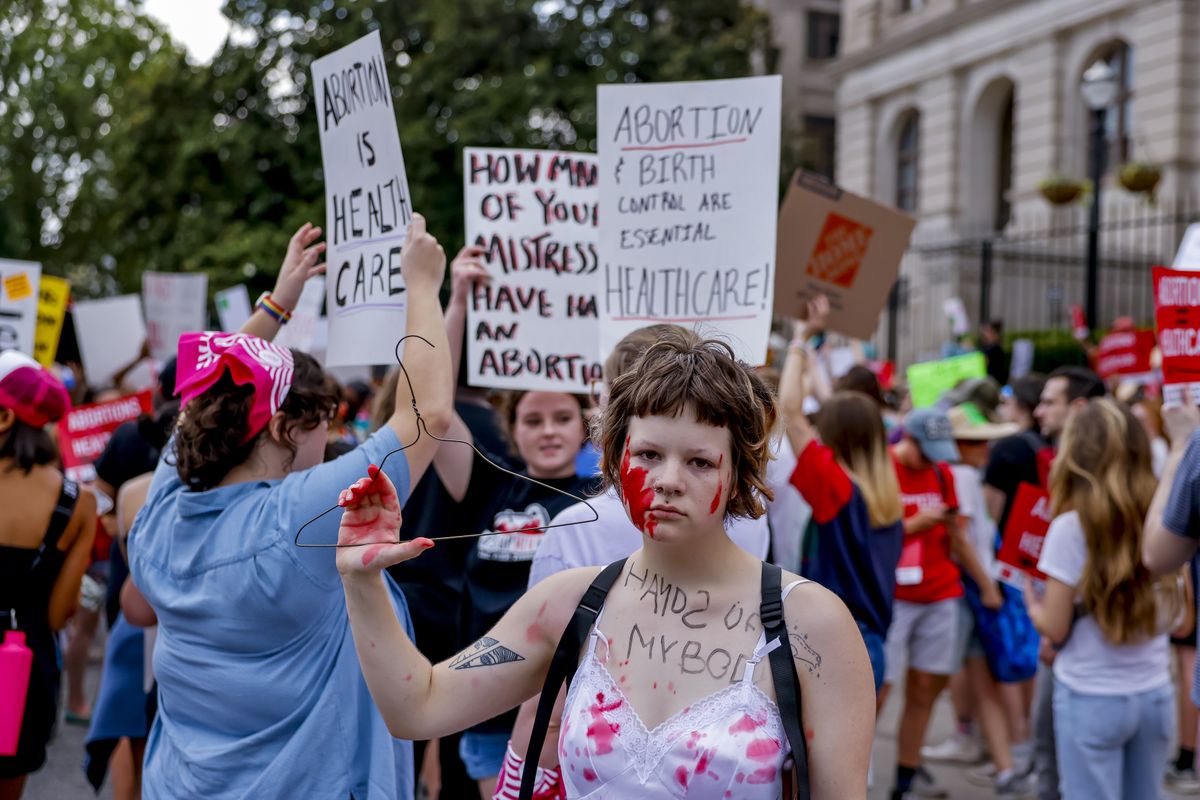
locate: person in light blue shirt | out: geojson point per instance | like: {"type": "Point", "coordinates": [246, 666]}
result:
{"type": "Point", "coordinates": [260, 691]}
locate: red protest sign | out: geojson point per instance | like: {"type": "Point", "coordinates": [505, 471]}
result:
{"type": "Point", "coordinates": [1125, 353]}
{"type": "Point", "coordinates": [84, 431]}
{"type": "Point", "coordinates": [1028, 522]}
{"type": "Point", "coordinates": [1177, 315]}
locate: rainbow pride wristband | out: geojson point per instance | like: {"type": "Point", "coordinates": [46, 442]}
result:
{"type": "Point", "coordinates": [273, 309]}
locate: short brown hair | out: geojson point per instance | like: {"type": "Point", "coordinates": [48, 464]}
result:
{"type": "Point", "coordinates": [634, 343]}
{"type": "Point", "coordinates": [209, 439]}
{"type": "Point", "coordinates": [678, 371]}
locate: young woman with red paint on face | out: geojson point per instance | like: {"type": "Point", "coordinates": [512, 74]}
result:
{"type": "Point", "coordinates": [546, 431]}
{"type": "Point", "coordinates": [671, 698]}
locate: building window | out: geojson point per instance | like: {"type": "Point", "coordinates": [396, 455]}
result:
{"type": "Point", "coordinates": [1004, 167]}
{"type": "Point", "coordinates": [820, 135]}
{"type": "Point", "coordinates": [1118, 117]}
{"type": "Point", "coordinates": [908, 149]}
{"type": "Point", "coordinates": [824, 30]}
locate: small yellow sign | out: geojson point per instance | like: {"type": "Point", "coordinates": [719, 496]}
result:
{"type": "Point", "coordinates": [53, 294]}
{"type": "Point", "coordinates": [18, 287]}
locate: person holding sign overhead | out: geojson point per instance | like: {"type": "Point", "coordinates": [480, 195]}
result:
{"type": "Point", "coordinates": [260, 692]}
{"type": "Point", "coordinates": [672, 698]}
{"type": "Point", "coordinates": [547, 430]}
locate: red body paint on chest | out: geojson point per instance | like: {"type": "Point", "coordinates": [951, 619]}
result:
{"type": "Point", "coordinates": [601, 731]}
{"type": "Point", "coordinates": [720, 482]}
{"type": "Point", "coordinates": [638, 496]}
{"type": "Point", "coordinates": [763, 750]}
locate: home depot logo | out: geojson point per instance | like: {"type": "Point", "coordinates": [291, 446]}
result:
{"type": "Point", "coordinates": [840, 250]}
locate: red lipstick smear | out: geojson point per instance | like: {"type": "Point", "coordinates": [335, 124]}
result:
{"type": "Point", "coordinates": [637, 495]}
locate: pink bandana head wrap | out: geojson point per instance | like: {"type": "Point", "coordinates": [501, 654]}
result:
{"type": "Point", "coordinates": [34, 394]}
{"type": "Point", "coordinates": [204, 357]}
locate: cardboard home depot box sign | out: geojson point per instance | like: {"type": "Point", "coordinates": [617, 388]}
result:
{"type": "Point", "coordinates": [841, 244]}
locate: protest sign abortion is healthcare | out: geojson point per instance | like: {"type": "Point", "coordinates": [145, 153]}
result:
{"type": "Point", "coordinates": [535, 325]}
{"type": "Point", "coordinates": [688, 206]}
{"type": "Point", "coordinates": [367, 208]}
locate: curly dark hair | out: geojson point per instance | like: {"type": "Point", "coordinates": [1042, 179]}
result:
{"type": "Point", "coordinates": [680, 371]}
{"type": "Point", "coordinates": [209, 439]}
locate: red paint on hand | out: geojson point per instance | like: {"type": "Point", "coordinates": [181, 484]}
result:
{"type": "Point", "coordinates": [370, 553]}
{"type": "Point", "coordinates": [638, 496]}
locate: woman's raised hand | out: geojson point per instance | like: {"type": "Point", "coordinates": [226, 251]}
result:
{"type": "Point", "coordinates": [370, 529]}
{"type": "Point", "coordinates": [423, 262]}
{"type": "Point", "coordinates": [299, 265]}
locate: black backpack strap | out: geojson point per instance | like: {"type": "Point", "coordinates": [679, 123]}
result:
{"type": "Point", "coordinates": [64, 509]}
{"type": "Point", "coordinates": [783, 674]}
{"type": "Point", "coordinates": [563, 666]}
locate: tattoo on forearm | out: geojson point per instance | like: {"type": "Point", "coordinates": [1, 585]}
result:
{"type": "Point", "coordinates": [485, 653]}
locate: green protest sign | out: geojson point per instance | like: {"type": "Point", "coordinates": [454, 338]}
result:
{"type": "Point", "coordinates": [929, 379]}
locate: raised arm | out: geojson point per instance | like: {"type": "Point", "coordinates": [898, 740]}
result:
{"type": "Point", "coordinates": [1169, 539]}
{"type": "Point", "coordinates": [795, 381]}
{"type": "Point", "coordinates": [496, 673]}
{"type": "Point", "coordinates": [299, 264]}
{"type": "Point", "coordinates": [454, 462]}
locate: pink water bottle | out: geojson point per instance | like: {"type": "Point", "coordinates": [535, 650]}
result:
{"type": "Point", "coordinates": [16, 661]}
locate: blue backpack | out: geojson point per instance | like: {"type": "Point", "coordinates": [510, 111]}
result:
{"type": "Point", "coordinates": [1010, 642]}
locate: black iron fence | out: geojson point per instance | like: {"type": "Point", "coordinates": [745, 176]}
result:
{"type": "Point", "coordinates": [1030, 275]}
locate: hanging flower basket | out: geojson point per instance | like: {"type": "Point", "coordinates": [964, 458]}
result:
{"type": "Point", "coordinates": [1060, 189]}
{"type": "Point", "coordinates": [1141, 178]}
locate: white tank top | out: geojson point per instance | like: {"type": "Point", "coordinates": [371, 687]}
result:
{"type": "Point", "coordinates": [730, 744]}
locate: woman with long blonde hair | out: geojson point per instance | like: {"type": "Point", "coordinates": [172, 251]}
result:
{"type": "Point", "coordinates": [844, 471]}
{"type": "Point", "coordinates": [1104, 612]}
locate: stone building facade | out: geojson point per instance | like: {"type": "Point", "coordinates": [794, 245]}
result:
{"type": "Point", "coordinates": [957, 111]}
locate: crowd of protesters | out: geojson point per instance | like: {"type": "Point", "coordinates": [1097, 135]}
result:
{"type": "Point", "coordinates": [256, 644]}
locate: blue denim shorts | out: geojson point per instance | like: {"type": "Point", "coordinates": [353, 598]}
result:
{"type": "Point", "coordinates": [875, 652]}
{"type": "Point", "coordinates": [483, 753]}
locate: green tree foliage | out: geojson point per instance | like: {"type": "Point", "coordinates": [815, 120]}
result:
{"type": "Point", "coordinates": [211, 168]}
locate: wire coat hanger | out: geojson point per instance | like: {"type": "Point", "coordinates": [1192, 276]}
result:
{"type": "Point", "coordinates": [422, 427]}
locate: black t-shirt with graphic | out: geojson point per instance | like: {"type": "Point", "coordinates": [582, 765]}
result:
{"type": "Point", "coordinates": [1023, 458]}
{"type": "Point", "coordinates": [498, 567]}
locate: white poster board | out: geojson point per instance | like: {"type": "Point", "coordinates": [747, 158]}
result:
{"type": "Point", "coordinates": [300, 332]}
{"type": "Point", "coordinates": [19, 282]}
{"type": "Point", "coordinates": [367, 206]}
{"type": "Point", "coordinates": [175, 303]}
{"type": "Point", "coordinates": [110, 334]}
{"type": "Point", "coordinates": [956, 315]}
{"type": "Point", "coordinates": [535, 326]}
{"type": "Point", "coordinates": [1022, 359]}
{"type": "Point", "coordinates": [1188, 256]}
{"type": "Point", "coordinates": [233, 307]}
{"type": "Point", "coordinates": [689, 189]}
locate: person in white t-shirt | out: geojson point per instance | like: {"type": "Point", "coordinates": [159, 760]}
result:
{"type": "Point", "coordinates": [1105, 613]}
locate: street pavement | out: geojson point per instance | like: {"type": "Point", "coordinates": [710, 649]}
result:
{"type": "Point", "coordinates": [62, 776]}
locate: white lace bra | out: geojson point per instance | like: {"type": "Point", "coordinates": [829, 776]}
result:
{"type": "Point", "coordinates": [729, 744]}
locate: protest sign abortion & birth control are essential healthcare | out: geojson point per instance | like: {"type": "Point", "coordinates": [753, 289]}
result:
{"type": "Point", "coordinates": [535, 325]}
{"type": "Point", "coordinates": [1177, 315]}
{"type": "Point", "coordinates": [85, 430]}
{"type": "Point", "coordinates": [18, 304]}
{"type": "Point", "coordinates": [174, 303]}
{"type": "Point", "coordinates": [367, 207]}
{"type": "Point", "coordinates": [842, 245]}
{"type": "Point", "coordinates": [688, 207]}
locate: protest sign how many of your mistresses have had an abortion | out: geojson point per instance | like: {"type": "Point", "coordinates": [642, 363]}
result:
{"type": "Point", "coordinates": [535, 324]}
{"type": "Point", "coordinates": [688, 208]}
{"type": "Point", "coordinates": [367, 207]}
